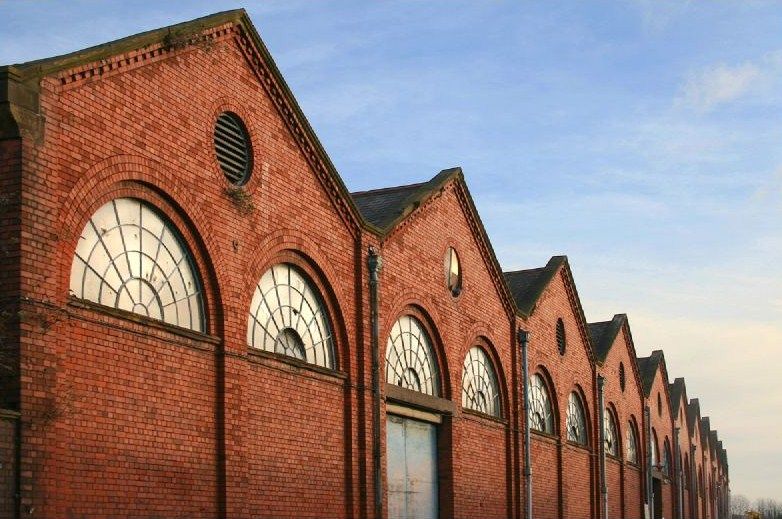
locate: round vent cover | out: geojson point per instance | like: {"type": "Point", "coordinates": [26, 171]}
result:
{"type": "Point", "coordinates": [233, 148]}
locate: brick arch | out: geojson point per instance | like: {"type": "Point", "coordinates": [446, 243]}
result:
{"type": "Point", "coordinates": [620, 444]}
{"type": "Point", "coordinates": [541, 370]}
{"type": "Point", "coordinates": [480, 337]}
{"type": "Point", "coordinates": [587, 411]}
{"type": "Point", "coordinates": [138, 177]}
{"type": "Point", "coordinates": [318, 273]}
{"type": "Point", "coordinates": [411, 303]}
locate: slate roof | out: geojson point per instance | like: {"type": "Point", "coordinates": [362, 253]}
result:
{"type": "Point", "coordinates": [693, 412]}
{"type": "Point", "coordinates": [676, 390]}
{"type": "Point", "coordinates": [528, 285]}
{"type": "Point", "coordinates": [603, 335]}
{"type": "Point", "coordinates": [705, 428]}
{"type": "Point", "coordinates": [648, 366]}
{"type": "Point", "coordinates": [387, 206]}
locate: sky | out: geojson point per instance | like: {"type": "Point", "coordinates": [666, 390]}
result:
{"type": "Point", "coordinates": [642, 138]}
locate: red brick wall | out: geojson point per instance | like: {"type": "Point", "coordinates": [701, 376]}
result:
{"type": "Point", "coordinates": [413, 277]}
{"type": "Point", "coordinates": [577, 487]}
{"type": "Point", "coordinates": [138, 417]}
{"type": "Point", "coordinates": [662, 424]}
{"type": "Point", "coordinates": [545, 477]}
{"type": "Point", "coordinates": [615, 484]}
{"type": "Point", "coordinates": [481, 467]}
{"type": "Point", "coordinates": [8, 466]}
{"type": "Point", "coordinates": [627, 404]}
{"type": "Point", "coordinates": [633, 482]}
{"type": "Point", "coordinates": [573, 371]}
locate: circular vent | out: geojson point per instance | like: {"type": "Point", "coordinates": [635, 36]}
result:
{"type": "Point", "coordinates": [233, 149]}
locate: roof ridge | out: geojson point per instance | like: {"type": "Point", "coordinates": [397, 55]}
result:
{"type": "Point", "coordinates": [386, 189]}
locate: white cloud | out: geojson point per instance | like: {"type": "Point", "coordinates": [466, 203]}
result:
{"type": "Point", "coordinates": [720, 84]}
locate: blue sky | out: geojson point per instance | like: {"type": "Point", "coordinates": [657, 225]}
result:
{"type": "Point", "coordinates": [641, 138]}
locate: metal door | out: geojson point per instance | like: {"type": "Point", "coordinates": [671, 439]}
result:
{"type": "Point", "coordinates": [411, 448]}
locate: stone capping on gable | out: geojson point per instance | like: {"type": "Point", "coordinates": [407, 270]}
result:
{"type": "Point", "coordinates": [527, 286]}
{"type": "Point", "coordinates": [20, 86]}
{"type": "Point", "coordinates": [390, 216]}
{"type": "Point", "coordinates": [604, 342]}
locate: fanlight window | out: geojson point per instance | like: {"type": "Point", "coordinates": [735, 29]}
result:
{"type": "Point", "coordinates": [539, 411]}
{"type": "Point", "coordinates": [655, 453]}
{"type": "Point", "coordinates": [576, 421]}
{"type": "Point", "coordinates": [610, 436]}
{"type": "Point", "coordinates": [130, 257]}
{"type": "Point", "coordinates": [287, 316]}
{"type": "Point", "coordinates": [632, 444]}
{"type": "Point", "coordinates": [410, 361]}
{"type": "Point", "coordinates": [667, 458]}
{"type": "Point", "coordinates": [480, 391]}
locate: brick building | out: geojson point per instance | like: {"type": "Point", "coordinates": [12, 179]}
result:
{"type": "Point", "coordinates": [199, 320]}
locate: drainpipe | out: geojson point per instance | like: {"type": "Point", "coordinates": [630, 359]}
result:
{"type": "Point", "coordinates": [523, 338]}
{"type": "Point", "coordinates": [677, 471]}
{"type": "Point", "coordinates": [375, 263]}
{"type": "Point", "coordinates": [693, 484]}
{"type": "Point", "coordinates": [649, 440]}
{"type": "Point", "coordinates": [601, 460]}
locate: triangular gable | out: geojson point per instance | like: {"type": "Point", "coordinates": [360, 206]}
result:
{"type": "Point", "coordinates": [603, 335]}
{"type": "Point", "coordinates": [527, 286]}
{"type": "Point", "coordinates": [694, 418]}
{"type": "Point", "coordinates": [678, 392]}
{"type": "Point", "coordinates": [22, 82]}
{"type": "Point", "coordinates": [648, 367]}
{"type": "Point", "coordinates": [387, 210]}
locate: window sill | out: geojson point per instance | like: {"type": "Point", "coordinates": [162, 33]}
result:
{"type": "Point", "coordinates": [483, 417]}
{"type": "Point", "coordinates": [124, 319]}
{"type": "Point", "coordinates": [292, 364]}
{"type": "Point", "coordinates": [540, 435]}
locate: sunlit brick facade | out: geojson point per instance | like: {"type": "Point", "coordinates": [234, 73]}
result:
{"type": "Point", "coordinates": [228, 391]}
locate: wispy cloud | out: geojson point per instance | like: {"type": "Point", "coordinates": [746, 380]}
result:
{"type": "Point", "coordinates": [720, 84]}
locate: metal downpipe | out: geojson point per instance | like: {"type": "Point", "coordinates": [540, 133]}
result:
{"type": "Point", "coordinates": [678, 471]}
{"type": "Point", "coordinates": [649, 440]}
{"type": "Point", "coordinates": [375, 262]}
{"type": "Point", "coordinates": [601, 463]}
{"type": "Point", "coordinates": [523, 338]}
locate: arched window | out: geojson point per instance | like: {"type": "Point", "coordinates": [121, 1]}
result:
{"type": "Point", "coordinates": [632, 444]}
{"type": "Point", "coordinates": [130, 257]}
{"type": "Point", "coordinates": [687, 473]}
{"type": "Point", "coordinates": [576, 420]}
{"type": "Point", "coordinates": [287, 316]}
{"type": "Point", "coordinates": [666, 458]}
{"type": "Point", "coordinates": [480, 391]}
{"type": "Point", "coordinates": [410, 361]}
{"type": "Point", "coordinates": [655, 452]}
{"type": "Point", "coordinates": [539, 410]}
{"type": "Point", "coordinates": [610, 435]}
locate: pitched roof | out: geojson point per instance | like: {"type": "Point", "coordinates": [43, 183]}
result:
{"type": "Point", "coordinates": [603, 335]}
{"type": "Point", "coordinates": [386, 207]}
{"type": "Point", "coordinates": [677, 390]}
{"type": "Point", "coordinates": [705, 428]}
{"type": "Point", "coordinates": [171, 38]}
{"type": "Point", "coordinates": [647, 366]}
{"type": "Point", "coordinates": [693, 412]}
{"type": "Point", "coordinates": [527, 286]}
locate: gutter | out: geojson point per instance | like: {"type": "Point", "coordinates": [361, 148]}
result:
{"type": "Point", "coordinates": [374, 263]}
{"type": "Point", "coordinates": [523, 338]}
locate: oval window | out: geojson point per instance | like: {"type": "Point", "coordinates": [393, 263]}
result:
{"type": "Point", "coordinates": [453, 272]}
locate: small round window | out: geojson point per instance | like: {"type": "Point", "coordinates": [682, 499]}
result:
{"type": "Point", "coordinates": [453, 272]}
{"type": "Point", "coordinates": [233, 148]}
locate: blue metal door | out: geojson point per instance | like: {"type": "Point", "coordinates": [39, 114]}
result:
{"type": "Point", "coordinates": [411, 448]}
